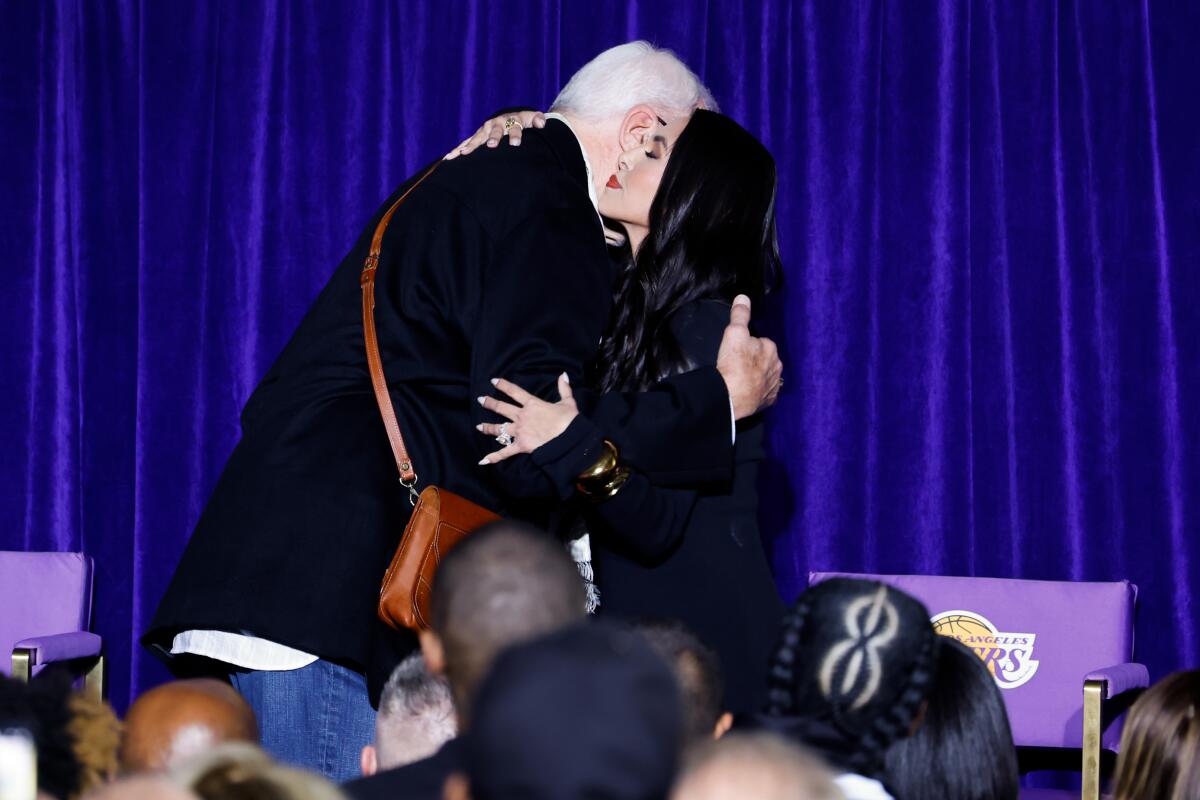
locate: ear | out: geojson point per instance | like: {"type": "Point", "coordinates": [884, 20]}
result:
{"type": "Point", "coordinates": [639, 121]}
{"type": "Point", "coordinates": [724, 723]}
{"type": "Point", "coordinates": [434, 653]}
{"type": "Point", "coordinates": [368, 761]}
{"type": "Point", "coordinates": [456, 787]}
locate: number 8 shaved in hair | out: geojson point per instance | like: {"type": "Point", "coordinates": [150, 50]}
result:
{"type": "Point", "coordinates": [857, 656]}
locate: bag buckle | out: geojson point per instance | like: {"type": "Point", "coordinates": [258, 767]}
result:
{"type": "Point", "coordinates": [413, 494]}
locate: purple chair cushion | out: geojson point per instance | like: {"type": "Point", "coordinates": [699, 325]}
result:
{"type": "Point", "coordinates": [1120, 678]}
{"type": "Point", "coordinates": [61, 646]}
{"type": "Point", "coordinates": [1039, 638]}
{"type": "Point", "coordinates": [42, 594]}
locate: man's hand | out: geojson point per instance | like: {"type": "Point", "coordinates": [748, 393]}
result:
{"type": "Point", "coordinates": [751, 367]}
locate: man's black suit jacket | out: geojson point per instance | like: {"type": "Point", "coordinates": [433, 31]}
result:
{"type": "Point", "coordinates": [495, 267]}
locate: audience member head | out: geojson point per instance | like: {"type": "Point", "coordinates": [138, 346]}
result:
{"type": "Point", "coordinates": [963, 747]}
{"type": "Point", "coordinates": [96, 739]}
{"type": "Point", "coordinates": [41, 708]}
{"type": "Point", "coordinates": [140, 787]}
{"type": "Point", "coordinates": [587, 712]}
{"type": "Point", "coordinates": [852, 671]}
{"type": "Point", "coordinates": [416, 716]}
{"type": "Point", "coordinates": [1160, 746]}
{"type": "Point", "coordinates": [239, 771]}
{"type": "Point", "coordinates": [181, 719]}
{"type": "Point", "coordinates": [505, 583]}
{"type": "Point", "coordinates": [699, 675]}
{"type": "Point", "coordinates": [759, 765]}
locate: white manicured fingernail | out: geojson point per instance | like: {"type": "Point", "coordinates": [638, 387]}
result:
{"type": "Point", "coordinates": [494, 381]}
{"type": "Point", "coordinates": [479, 427]}
{"type": "Point", "coordinates": [480, 399]}
{"type": "Point", "coordinates": [483, 462]}
{"type": "Point", "coordinates": [566, 378]}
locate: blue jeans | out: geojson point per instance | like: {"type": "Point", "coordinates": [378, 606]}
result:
{"type": "Point", "coordinates": [317, 717]}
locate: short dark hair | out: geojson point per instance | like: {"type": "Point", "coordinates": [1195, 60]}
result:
{"type": "Point", "coordinates": [505, 583]}
{"type": "Point", "coordinates": [964, 746]}
{"type": "Point", "coordinates": [697, 670]}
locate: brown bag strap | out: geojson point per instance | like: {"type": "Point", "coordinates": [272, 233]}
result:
{"type": "Point", "coordinates": [408, 476]}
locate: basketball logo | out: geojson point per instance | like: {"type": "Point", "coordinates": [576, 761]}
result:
{"type": "Point", "coordinates": [1008, 656]}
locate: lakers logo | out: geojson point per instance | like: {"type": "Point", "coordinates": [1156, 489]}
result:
{"type": "Point", "coordinates": [871, 623]}
{"type": "Point", "coordinates": [1008, 656]}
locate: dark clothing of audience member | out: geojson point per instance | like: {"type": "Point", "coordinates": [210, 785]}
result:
{"type": "Point", "coordinates": [421, 780]}
{"type": "Point", "coordinates": [41, 708]}
{"type": "Point", "coordinates": [505, 584]}
{"type": "Point", "coordinates": [963, 747]}
{"type": "Point", "coordinates": [587, 713]}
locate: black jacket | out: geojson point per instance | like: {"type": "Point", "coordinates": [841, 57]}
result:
{"type": "Point", "coordinates": [495, 267]}
{"type": "Point", "coordinates": [692, 553]}
{"type": "Point", "coordinates": [421, 780]}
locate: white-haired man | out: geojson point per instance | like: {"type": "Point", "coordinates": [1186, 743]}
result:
{"type": "Point", "coordinates": [495, 266]}
{"type": "Point", "coordinates": [416, 717]}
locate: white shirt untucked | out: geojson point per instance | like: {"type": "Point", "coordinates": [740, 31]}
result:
{"type": "Point", "coordinates": [241, 650]}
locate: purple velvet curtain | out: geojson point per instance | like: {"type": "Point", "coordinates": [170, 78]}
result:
{"type": "Point", "coordinates": [988, 214]}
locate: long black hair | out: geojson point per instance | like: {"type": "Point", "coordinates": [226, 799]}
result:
{"type": "Point", "coordinates": [964, 747]}
{"type": "Point", "coordinates": [855, 662]}
{"type": "Point", "coordinates": [712, 236]}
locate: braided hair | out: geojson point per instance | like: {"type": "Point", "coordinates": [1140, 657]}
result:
{"type": "Point", "coordinates": [854, 664]}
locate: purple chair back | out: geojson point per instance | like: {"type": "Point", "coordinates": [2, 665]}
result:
{"type": "Point", "coordinates": [42, 594]}
{"type": "Point", "coordinates": [1039, 638]}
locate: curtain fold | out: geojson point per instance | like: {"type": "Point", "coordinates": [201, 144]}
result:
{"type": "Point", "coordinates": [988, 214]}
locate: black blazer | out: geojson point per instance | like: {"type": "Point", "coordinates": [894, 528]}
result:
{"type": "Point", "coordinates": [693, 554]}
{"type": "Point", "coordinates": [495, 267]}
{"type": "Point", "coordinates": [420, 780]}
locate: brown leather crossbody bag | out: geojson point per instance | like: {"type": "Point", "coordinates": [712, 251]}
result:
{"type": "Point", "coordinates": [440, 519]}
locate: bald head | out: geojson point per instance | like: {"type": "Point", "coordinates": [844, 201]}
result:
{"type": "Point", "coordinates": [759, 765]}
{"type": "Point", "coordinates": [182, 719]}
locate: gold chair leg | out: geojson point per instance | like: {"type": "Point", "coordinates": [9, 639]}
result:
{"type": "Point", "coordinates": [93, 681]}
{"type": "Point", "coordinates": [1093, 695]}
{"type": "Point", "coordinates": [22, 664]}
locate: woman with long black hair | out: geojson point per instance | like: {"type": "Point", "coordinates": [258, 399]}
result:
{"type": "Point", "coordinates": [697, 212]}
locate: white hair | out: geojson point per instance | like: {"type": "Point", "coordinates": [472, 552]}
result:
{"type": "Point", "coordinates": [633, 74]}
{"type": "Point", "coordinates": [416, 714]}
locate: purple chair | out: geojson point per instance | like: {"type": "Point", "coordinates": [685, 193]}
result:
{"type": "Point", "coordinates": [1059, 650]}
{"type": "Point", "coordinates": [45, 608]}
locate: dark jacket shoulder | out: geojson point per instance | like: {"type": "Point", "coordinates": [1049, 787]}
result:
{"type": "Point", "coordinates": [417, 781]}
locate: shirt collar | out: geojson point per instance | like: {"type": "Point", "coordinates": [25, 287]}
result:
{"type": "Point", "coordinates": [587, 165]}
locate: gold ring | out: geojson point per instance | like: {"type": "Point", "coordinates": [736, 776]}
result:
{"type": "Point", "coordinates": [512, 122]}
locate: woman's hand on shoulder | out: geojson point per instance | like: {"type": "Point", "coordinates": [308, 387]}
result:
{"type": "Point", "coordinates": [496, 128]}
{"type": "Point", "coordinates": [532, 422]}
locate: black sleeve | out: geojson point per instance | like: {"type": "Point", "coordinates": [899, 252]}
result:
{"type": "Point", "coordinates": [647, 520]}
{"type": "Point", "coordinates": [545, 306]}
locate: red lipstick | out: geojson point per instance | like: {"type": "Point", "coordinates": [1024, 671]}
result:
{"type": "Point", "coordinates": [613, 183]}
